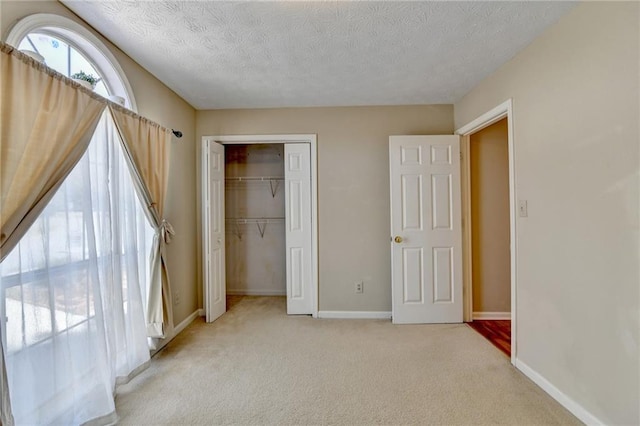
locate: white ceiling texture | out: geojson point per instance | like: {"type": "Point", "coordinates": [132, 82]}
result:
{"type": "Point", "coordinates": [285, 54]}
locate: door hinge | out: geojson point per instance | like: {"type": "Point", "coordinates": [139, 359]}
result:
{"type": "Point", "coordinates": [460, 155]}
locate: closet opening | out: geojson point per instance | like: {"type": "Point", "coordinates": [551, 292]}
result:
{"type": "Point", "coordinates": [255, 220]}
{"type": "Point", "coordinates": [259, 220]}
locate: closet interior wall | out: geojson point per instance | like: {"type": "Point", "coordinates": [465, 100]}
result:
{"type": "Point", "coordinates": [255, 225]}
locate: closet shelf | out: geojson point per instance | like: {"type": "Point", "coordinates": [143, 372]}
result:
{"type": "Point", "coordinates": [274, 181]}
{"type": "Point", "coordinates": [261, 223]}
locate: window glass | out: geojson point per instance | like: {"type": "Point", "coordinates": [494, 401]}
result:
{"type": "Point", "coordinates": [62, 57]}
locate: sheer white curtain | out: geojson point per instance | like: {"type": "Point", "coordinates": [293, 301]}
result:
{"type": "Point", "coordinates": [72, 314]}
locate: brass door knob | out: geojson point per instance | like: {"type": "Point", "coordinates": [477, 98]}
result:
{"type": "Point", "coordinates": [398, 239]}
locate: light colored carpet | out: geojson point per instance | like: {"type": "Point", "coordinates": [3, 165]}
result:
{"type": "Point", "coordinates": [256, 365]}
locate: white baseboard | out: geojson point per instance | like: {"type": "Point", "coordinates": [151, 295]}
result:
{"type": "Point", "coordinates": [188, 320]}
{"type": "Point", "coordinates": [355, 314]}
{"type": "Point", "coordinates": [161, 343]}
{"type": "Point", "coordinates": [576, 409]}
{"type": "Point", "coordinates": [244, 292]}
{"type": "Point", "coordinates": [491, 315]}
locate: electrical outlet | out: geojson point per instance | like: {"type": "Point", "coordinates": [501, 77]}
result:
{"type": "Point", "coordinates": [359, 286]}
{"type": "Point", "coordinates": [176, 298]}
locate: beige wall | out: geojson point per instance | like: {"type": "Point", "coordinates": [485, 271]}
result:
{"type": "Point", "coordinates": [353, 186]}
{"type": "Point", "coordinates": [491, 270]}
{"type": "Point", "coordinates": [162, 105]}
{"type": "Point", "coordinates": [576, 120]}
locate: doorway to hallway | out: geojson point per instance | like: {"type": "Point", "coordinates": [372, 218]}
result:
{"type": "Point", "coordinates": [489, 211]}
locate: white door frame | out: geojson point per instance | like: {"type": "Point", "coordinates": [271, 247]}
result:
{"type": "Point", "coordinates": [501, 111]}
{"type": "Point", "coordinates": [282, 139]}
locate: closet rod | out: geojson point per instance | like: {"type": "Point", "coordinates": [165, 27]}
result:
{"type": "Point", "coordinates": [260, 178]}
{"type": "Point", "coordinates": [243, 220]}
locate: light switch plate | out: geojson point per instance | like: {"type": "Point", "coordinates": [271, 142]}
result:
{"type": "Point", "coordinates": [522, 208]}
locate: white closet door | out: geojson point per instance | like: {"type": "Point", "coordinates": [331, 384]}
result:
{"type": "Point", "coordinates": [297, 173]}
{"type": "Point", "coordinates": [213, 203]}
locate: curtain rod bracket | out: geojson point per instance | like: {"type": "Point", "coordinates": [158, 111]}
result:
{"type": "Point", "coordinates": [178, 133]}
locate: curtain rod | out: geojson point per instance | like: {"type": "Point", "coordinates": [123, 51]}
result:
{"type": "Point", "coordinates": [7, 48]}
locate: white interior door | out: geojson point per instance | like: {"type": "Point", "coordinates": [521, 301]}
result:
{"type": "Point", "coordinates": [213, 204]}
{"type": "Point", "coordinates": [426, 242]}
{"type": "Point", "coordinates": [297, 175]}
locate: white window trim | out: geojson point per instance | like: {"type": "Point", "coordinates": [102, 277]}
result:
{"type": "Point", "coordinates": [81, 39]}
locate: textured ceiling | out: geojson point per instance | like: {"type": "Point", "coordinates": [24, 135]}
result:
{"type": "Point", "coordinates": [277, 54]}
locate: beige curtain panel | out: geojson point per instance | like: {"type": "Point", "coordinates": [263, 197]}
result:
{"type": "Point", "coordinates": [46, 125]}
{"type": "Point", "coordinates": [146, 147]}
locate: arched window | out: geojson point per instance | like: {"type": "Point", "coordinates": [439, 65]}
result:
{"type": "Point", "coordinates": [68, 47]}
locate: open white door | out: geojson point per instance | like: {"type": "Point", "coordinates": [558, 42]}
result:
{"type": "Point", "coordinates": [426, 242]}
{"type": "Point", "coordinates": [297, 175]}
{"type": "Point", "coordinates": [213, 209]}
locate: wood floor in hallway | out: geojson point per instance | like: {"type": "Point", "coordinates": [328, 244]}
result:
{"type": "Point", "coordinates": [498, 332]}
